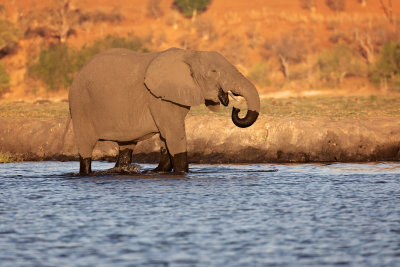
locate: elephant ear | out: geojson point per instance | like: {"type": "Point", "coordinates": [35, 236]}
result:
{"type": "Point", "coordinates": [169, 77]}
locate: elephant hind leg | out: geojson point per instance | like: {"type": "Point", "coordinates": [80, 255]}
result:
{"type": "Point", "coordinates": [124, 155]}
{"type": "Point", "coordinates": [124, 160]}
{"type": "Point", "coordinates": [85, 147]}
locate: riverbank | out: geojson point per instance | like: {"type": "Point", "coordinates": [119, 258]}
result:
{"type": "Point", "coordinates": [216, 140]}
{"type": "Point", "coordinates": [303, 129]}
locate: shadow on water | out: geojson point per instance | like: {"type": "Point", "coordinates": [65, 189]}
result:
{"type": "Point", "coordinates": [147, 174]}
{"type": "Point", "coordinates": [105, 174]}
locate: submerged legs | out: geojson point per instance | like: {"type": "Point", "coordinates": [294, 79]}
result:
{"type": "Point", "coordinates": [124, 158]}
{"type": "Point", "coordinates": [180, 162]}
{"type": "Point", "coordinates": [85, 165]}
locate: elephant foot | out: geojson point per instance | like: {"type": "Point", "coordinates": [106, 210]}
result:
{"type": "Point", "coordinates": [165, 164]}
{"type": "Point", "coordinates": [126, 169]}
{"type": "Point", "coordinates": [85, 166]}
{"type": "Point", "coordinates": [124, 158]}
{"type": "Point", "coordinates": [159, 169]}
{"type": "Point", "coordinates": [180, 163]}
{"type": "Point", "coordinates": [123, 164]}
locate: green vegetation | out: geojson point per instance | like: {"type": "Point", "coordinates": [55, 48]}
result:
{"type": "Point", "coordinates": [188, 7]}
{"type": "Point", "coordinates": [4, 79]}
{"type": "Point", "coordinates": [131, 42]}
{"type": "Point", "coordinates": [259, 74]}
{"type": "Point", "coordinates": [337, 63]}
{"type": "Point", "coordinates": [387, 68]}
{"type": "Point", "coordinates": [9, 34]}
{"type": "Point", "coordinates": [56, 66]}
{"type": "Point", "coordinates": [8, 158]}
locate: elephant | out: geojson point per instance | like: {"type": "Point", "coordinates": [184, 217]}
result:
{"type": "Point", "coordinates": [125, 96]}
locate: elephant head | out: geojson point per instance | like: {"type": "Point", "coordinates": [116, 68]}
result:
{"type": "Point", "coordinates": [190, 78]}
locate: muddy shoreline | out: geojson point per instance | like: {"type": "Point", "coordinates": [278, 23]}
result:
{"type": "Point", "coordinates": [216, 140]}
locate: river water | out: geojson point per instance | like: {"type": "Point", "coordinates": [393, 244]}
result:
{"type": "Point", "coordinates": [217, 215]}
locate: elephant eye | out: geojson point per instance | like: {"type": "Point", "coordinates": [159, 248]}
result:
{"type": "Point", "coordinates": [213, 71]}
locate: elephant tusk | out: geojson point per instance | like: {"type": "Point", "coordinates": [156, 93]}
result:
{"type": "Point", "coordinates": [233, 96]}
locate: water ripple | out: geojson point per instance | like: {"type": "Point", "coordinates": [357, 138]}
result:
{"type": "Point", "coordinates": [233, 215]}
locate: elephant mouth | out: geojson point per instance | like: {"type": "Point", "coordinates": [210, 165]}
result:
{"type": "Point", "coordinates": [223, 97]}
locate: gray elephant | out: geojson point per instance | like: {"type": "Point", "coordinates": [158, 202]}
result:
{"type": "Point", "coordinates": [123, 96]}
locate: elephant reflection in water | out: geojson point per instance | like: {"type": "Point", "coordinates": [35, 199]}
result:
{"type": "Point", "coordinates": [126, 97]}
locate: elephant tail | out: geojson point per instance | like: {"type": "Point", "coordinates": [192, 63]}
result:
{"type": "Point", "coordinates": [65, 133]}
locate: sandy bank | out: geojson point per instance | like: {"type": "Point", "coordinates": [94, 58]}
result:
{"type": "Point", "coordinates": [216, 140]}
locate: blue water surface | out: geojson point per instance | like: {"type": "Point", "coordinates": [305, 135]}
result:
{"type": "Point", "coordinates": [217, 215]}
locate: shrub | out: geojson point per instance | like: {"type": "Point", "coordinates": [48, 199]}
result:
{"type": "Point", "coordinates": [61, 18]}
{"type": "Point", "coordinates": [154, 9]}
{"type": "Point", "coordinates": [86, 52]}
{"type": "Point", "coordinates": [56, 66]}
{"type": "Point", "coordinates": [8, 158]}
{"type": "Point", "coordinates": [337, 63]}
{"type": "Point", "coordinates": [97, 16]}
{"type": "Point", "coordinates": [9, 35]}
{"type": "Point", "coordinates": [336, 5]}
{"type": "Point", "coordinates": [366, 39]}
{"type": "Point", "coordinates": [259, 74]}
{"type": "Point", "coordinates": [387, 68]}
{"type": "Point", "coordinates": [205, 29]}
{"type": "Point", "coordinates": [235, 50]}
{"type": "Point", "coordinates": [307, 4]}
{"type": "Point", "coordinates": [188, 7]}
{"type": "Point", "coordinates": [363, 2]}
{"type": "Point", "coordinates": [4, 79]}
{"type": "Point", "coordinates": [292, 48]}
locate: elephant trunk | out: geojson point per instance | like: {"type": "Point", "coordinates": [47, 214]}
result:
{"type": "Point", "coordinates": [248, 120]}
{"type": "Point", "coordinates": [249, 92]}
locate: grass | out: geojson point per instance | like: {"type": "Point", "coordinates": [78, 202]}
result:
{"type": "Point", "coordinates": [38, 110]}
{"type": "Point", "coordinates": [334, 107]}
{"type": "Point", "coordinates": [8, 158]}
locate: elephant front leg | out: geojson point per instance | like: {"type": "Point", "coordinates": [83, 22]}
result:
{"type": "Point", "coordinates": [176, 145]}
{"type": "Point", "coordinates": [85, 165]}
{"type": "Point", "coordinates": [180, 162]}
{"type": "Point", "coordinates": [170, 121]}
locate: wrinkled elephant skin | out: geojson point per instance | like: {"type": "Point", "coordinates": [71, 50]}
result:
{"type": "Point", "coordinates": [127, 97]}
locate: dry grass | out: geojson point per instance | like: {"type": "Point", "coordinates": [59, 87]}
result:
{"type": "Point", "coordinates": [321, 106]}
{"type": "Point", "coordinates": [335, 107]}
{"type": "Point", "coordinates": [45, 109]}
